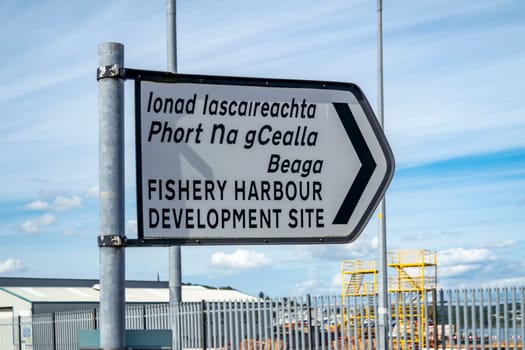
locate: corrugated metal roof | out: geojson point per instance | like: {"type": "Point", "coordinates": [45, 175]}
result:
{"type": "Point", "coordinates": [71, 282]}
{"type": "Point", "coordinates": [133, 295]}
{"type": "Point", "coordinates": [198, 293]}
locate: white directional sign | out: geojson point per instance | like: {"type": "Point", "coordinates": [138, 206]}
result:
{"type": "Point", "coordinates": [224, 160]}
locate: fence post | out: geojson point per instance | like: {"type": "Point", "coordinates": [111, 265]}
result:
{"type": "Point", "coordinates": [19, 332]}
{"type": "Point", "coordinates": [309, 320]}
{"type": "Point", "coordinates": [54, 331]}
{"type": "Point", "coordinates": [434, 316]}
{"type": "Point", "coordinates": [178, 330]}
{"type": "Point", "coordinates": [203, 324]}
{"type": "Point", "coordinates": [442, 307]}
{"type": "Point", "coordinates": [144, 316]}
{"type": "Point", "coordinates": [95, 325]}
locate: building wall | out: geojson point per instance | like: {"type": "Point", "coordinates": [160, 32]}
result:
{"type": "Point", "coordinates": [6, 328]}
{"type": "Point", "coordinates": [20, 306]}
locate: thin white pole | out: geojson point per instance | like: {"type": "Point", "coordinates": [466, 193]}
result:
{"type": "Point", "coordinates": [175, 268]}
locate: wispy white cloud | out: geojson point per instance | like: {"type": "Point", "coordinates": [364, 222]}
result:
{"type": "Point", "coordinates": [60, 204]}
{"type": "Point", "coordinates": [461, 262]}
{"type": "Point", "coordinates": [501, 244]}
{"type": "Point", "coordinates": [10, 265]}
{"type": "Point", "coordinates": [455, 86]}
{"type": "Point", "coordinates": [365, 246]}
{"type": "Point", "coordinates": [92, 192]}
{"type": "Point", "coordinates": [318, 284]}
{"type": "Point", "coordinates": [69, 232]}
{"type": "Point", "coordinates": [458, 256]}
{"type": "Point", "coordinates": [504, 282]}
{"type": "Point", "coordinates": [458, 270]}
{"type": "Point", "coordinates": [306, 286]}
{"type": "Point", "coordinates": [64, 203]}
{"type": "Point", "coordinates": [337, 280]}
{"type": "Point", "coordinates": [131, 228]}
{"type": "Point", "coordinates": [35, 225]}
{"type": "Point", "coordinates": [240, 259]}
{"type": "Point", "coordinates": [37, 205]}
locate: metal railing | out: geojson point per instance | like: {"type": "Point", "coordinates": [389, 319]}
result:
{"type": "Point", "coordinates": [444, 319]}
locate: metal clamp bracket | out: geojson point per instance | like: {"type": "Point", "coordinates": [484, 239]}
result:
{"type": "Point", "coordinates": [112, 71]}
{"type": "Point", "coordinates": [115, 241]}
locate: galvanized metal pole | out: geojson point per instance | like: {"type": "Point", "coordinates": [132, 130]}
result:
{"type": "Point", "coordinates": [111, 198]}
{"type": "Point", "coordinates": [171, 12]}
{"type": "Point", "coordinates": [175, 268]}
{"type": "Point", "coordinates": [382, 321]}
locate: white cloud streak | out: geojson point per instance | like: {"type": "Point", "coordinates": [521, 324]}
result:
{"type": "Point", "coordinates": [63, 203]}
{"type": "Point", "coordinates": [456, 262]}
{"type": "Point", "coordinates": [35, 225]}
{"type": "Point", "coordinates": [458, 256]}
{"type": "Point", "coordinates": [60, 204]}
{"type": "Point", "coordinates": [10, 266]}
{"type": "Point", "coordinates": [92, 192]}
{"type": "Point", "coordinates": [37, 205]}
{"type": "Point", "coordinates": [131, 228]}
{"type": "Point", "coordinates": [363, 247]}
{"type": "Point", "coordinates": [241, 259]}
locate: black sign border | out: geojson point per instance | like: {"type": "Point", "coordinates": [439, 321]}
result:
{"type": "Point", "coordinates": [165, 77]}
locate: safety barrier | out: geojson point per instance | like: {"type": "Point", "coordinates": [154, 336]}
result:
{"type": "Point", "coordinates": [443, 319]}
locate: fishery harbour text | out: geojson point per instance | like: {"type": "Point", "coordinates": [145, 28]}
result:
{"type": "Point", "coordinates": [207, 121]}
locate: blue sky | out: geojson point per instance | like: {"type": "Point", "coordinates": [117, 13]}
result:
{"type": "Point", "coordinates": [454, 116]}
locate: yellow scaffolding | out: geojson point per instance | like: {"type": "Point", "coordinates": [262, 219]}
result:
{"type": "Point", "coordinates": [356, 277]}
{"type": "Point", "coordinates": [415, 271]}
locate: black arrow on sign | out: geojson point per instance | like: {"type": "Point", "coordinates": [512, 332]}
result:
{"type": "Point", "coordinates": [368, 164]}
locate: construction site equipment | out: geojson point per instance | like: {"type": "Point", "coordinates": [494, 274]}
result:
{"type": "Point", "coordinates": [412, 280]}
